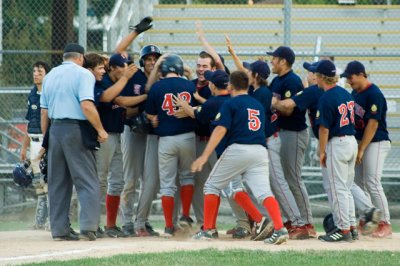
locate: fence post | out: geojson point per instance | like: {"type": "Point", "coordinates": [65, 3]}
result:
{"type": "Point", "coordinates": [287, 11]}
{"type": "Point", "coordinates": [83, 23]}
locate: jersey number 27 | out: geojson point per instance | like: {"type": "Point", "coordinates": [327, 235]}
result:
{"type": "Point", "coordinates": [168, 104]}
{"type": "Point", "coordinates": [254, 120]}
{"type": "Point", "coordinates": [343, 110]}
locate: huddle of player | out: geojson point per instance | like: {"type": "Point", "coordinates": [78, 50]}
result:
{"type": "Point", "coordinates": [249, 139]}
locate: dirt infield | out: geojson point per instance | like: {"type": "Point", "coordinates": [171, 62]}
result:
{"type": "Point", "coordinates": [35, 246]}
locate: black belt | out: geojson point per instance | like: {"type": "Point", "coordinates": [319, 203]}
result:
{"type": "Point", "coordinates": [65, 120]}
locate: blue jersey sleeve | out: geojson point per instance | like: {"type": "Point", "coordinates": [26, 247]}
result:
{"type": "Point", "coordinates": [224, 117]}
{"type": "Point", "coordinates": [325, 114]}
{"type": "Point", "coordinates": [304, 99]}
{"type": "Point", "coordinates": [98, 91]}
{"type": "Point", "coordinates": [375, 106]}
{"type": "Point", "coordinates": [151, 104]}
{"type": "Point", "coordinates": [202, 113]}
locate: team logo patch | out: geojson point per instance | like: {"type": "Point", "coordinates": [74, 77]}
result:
{"type": "Point", "coordinates": [136, 89]}
{"type": "Point", "coordinates": [300, 92]}
{"type": "Point", "coordinates": [218, 116]}
{"type": "Point", "coordinates": [317, 114]}
{"type": "Point", "coordinates": [34, 106]}
{"type": "Point", "coordinates": [288, 94]}
{"type": "Point", "coordinates": [199, 109]}
{"type": "Point", "coordinates": [374, 108]}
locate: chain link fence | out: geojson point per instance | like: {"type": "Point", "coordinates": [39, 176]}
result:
{"type": "Point", "coordinates": [33, 30]}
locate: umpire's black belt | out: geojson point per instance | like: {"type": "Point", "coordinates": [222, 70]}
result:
{"type": "Point", "coordinates": [65, 121]}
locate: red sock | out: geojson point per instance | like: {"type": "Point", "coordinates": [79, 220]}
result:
{"type": "Point", "coordinates": [274, 212]}
{"type": "Point", "coordinates": [112, 205]}
{"type": "Point", "coordinates": [210, 210]}
{"type": "Point", "coordinates": [216, 213]}
{"type": "Point", "coordinates": [244, 201]}
{"type": "Point", "coordinates": [167, 203]}
{"type": "Point", "coordinates": [186, 198]}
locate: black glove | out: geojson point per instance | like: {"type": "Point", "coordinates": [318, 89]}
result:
{"type": "Point", "coordinates": [144, 25]}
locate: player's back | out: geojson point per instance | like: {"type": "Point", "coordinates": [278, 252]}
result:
{"type": "Point", "coordinates": [160, 103]}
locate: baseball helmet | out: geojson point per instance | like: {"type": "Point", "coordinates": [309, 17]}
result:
{"type": "Point", "coordinates": [329, 224]}
{"type": "Point", "coordinates": [22, 174]}
{"type": "Point", "coordinates": [148, 50]}
{"type": "Point", "coordinates": [172, 63]}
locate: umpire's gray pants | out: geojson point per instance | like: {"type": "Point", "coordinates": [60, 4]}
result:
{"type": "Point", "coordinates": [150, 183]}
{"type": "Point", "coordinates": [293, 147]}
{"type": "Point", "coordinates": [133, 150]}
{"type": "Point", "coordinates": [71, 164]}
{"type": "Point", "coordinates": [109, 166]}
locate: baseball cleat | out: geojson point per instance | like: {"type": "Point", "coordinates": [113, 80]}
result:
{"type": "Point", "coordinates": [354, 233]}
{"type": "Point", "coordinates": [336, 236]}
{"type": "Point", "coordinates": [373, 215]}
{"type": "Point", "coordinates": [383, 230]}
{"type": "Point", "coordinates": [88, 235]}
{"type": "Point", "coordinates": [299, 233]}
{"type": "Point", "coordinates": [311, 231]}
{"type": "Point", "coordinates": [185, 221]}
{"type": "Point", "coordinates": [69, 237]}
{"type": "Point", "coordinates": [150, 230]}
{"type": "Point", "coordinates": [114, 232]}
{"type": "Point", "coordinates": [128, 230]}
{"type": "Point", "coordinates": [205, 235]}
{"type": "Point", "coordinates": [264, 229]}
{"type": "Point", "coordinates": [240, 233]}
{"type": "Point", "coordinates": [169, 232]}
{"type": "Point", "coordinates": [100, 233]}
{"type": "Point", "coordinates": [278, 237]}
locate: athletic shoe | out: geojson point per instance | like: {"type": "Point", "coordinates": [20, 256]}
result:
{"type": "Point", "coordinates": [205, 235]}
{"type": "Point", "coordinates": [373, 215]}
{"type": "Point", "coordinates": [114, 232]}
{"type": "Point", "coordinates": [336, 236]}
{"type": "Point", "coordinates": [38, 227]}
{"type": "Point", "coordinates": [288, 225]}
{"type": "Point", "coordinates": [128, 230]}
{"type": "Point", "coordinates": [100, 233]}
{"type": "Point", "coordinates": [214, 232]}
{"type": "Point", "coordinates": [185, 221]}
{"type": "Point", "coordinates": [69, 237]}
{"type": "Point", "coordinates": [311, 231]}
{"type": "Point", "coordinates": [241, 233]}
{"type": "Point", "coordinates": [354, 233]}
{"type": "Point", "coordinates": [142, 232]}
{"type": "Point", "coordinates": [264, 229]}
{"type": "Point", "coordinates": [169, 232]}
{"type": "Point", "coordinates": [383, 230]}
{"type": "Point", "coordinates": [73, 232]}
{"type": "Point", "coordinates": [231, 231]}
{"type": "Point", "coordinates": [299, 233]}
{"type": "Point", "coordinates": [278, 237]}
{"type": "Point", "coordinates": [150, 230]}
{"type": "Point", "coordinates": [88, 235]}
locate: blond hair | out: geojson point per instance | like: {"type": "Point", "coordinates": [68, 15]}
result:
{"type": "Point", "coordinates": [328, 80]}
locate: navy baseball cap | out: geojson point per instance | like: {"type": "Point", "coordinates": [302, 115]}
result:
{"type": "Point", "coordinates": [353, 68]}
{"type": "Point", "coordinates": [74, 48]}
{"type": "Point", "coordinates": [260, 67]}
{"type": "Point", "coordinates": [307, 65]}
{"type": "Point", "coordinates": [119, 60]}
{"type": "Point", "coordinates": [285, 53]}
{"type": "Point", "coordinates": [219, 77]}
{"type": "Point", "coordinates": [324, 67]}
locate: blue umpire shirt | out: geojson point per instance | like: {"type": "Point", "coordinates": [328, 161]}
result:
{"type": "Point", "coordinates": [64, 88]}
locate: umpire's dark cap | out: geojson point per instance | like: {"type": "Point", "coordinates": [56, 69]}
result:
{"type": "Point", "coordinates": [74, 48]}
{"type": "Point", "coordinates": [285, 53]}
{"type": "Point", "coordinates": [307, 65]}
{"type": "Point", "coordinates": [324, 67]}
{"type": "Point", "coordinates": [353, 68]}
{"type": "Point", "coordinates": [119, 60]}
{"type": "Point", "coordinates": [219, 77]}
{"type": "Point", "coordinates": [260, 67]}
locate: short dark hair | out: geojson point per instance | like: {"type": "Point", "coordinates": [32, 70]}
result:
{"type": "Point", "coordinates": [93, 60]}
{"type": "Point", "coordinates": [261, 81]}
{"type": "Point", "coordinates": [239, 80]}
{"type": "Point", "coordinates": [204, 54]}
{"type": "Point", "coordinates": [43, 65]}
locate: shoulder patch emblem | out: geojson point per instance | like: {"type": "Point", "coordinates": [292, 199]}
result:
{"type": "Point", "coordinates": [288, 94]}
{"type": "Point", "coordinates": [374, 108]}
{"type": "Point", "coordinates": [317, 114]}
{"type": "Point", "coordinates": [218, 116]}
{"type": "Point", "coordinates": [34, 107]}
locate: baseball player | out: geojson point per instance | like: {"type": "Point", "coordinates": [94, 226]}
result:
{"type": "Point", "coordinates": [143, 168]}
{"type": "Point", "coordinates": [373, 140]}
{"type": "Point", "coordinates": [338, 148]}
{"type": "Point", "coordinates": [242, 120]}
{"type": "Point", "coordinates": [293, 134]}
{"type": "Point", "coordinates": [33, 138]}
{"type": "Point", "coordinates": [176, 148]}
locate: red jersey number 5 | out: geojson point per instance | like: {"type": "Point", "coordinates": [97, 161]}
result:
{"type": "Point", "coordinates": [254, 120]}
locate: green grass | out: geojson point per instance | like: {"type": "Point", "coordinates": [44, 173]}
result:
{"type": "Point", "coordinates": [242, 257]}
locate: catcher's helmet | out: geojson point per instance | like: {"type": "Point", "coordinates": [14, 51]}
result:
{"type": "Point", "coordinates": [329, 224]}
{"type": "Point", "coordinates": [22, 174]}
{"type": "Point", "coordinates": [172, 64]}
{"type": "Point", "coordinates": [148, 50]}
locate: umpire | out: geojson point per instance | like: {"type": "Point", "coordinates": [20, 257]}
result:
{"type": "Point", "coordinates": [67, 100]}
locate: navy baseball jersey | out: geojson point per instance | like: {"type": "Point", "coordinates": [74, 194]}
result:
{"type": "Point", "coordinates": [308, 100]}
{"type": "Point", "coordinates": [136, 86]}
{"type": "Point", "coordinates": [203, 91]}
{"type": "Point", "coordinates": [112, 116]}
{"type": "Point", "coordinates": [244, 118]}
{"type": "Point", "coordinates": [336, 112]}
{"type": "Point", "coordinates": [370, 104]}
{"type": "Point", "coordinates": [264, 96]}
{"type": "Point", "coordinates": [285, 87]}
{"type": "Point", "coordinates": [160, 103]}
{"type": "Point", "coordinates": [33, 114]}
{"type": "Point", "coordinates": [207, 112]}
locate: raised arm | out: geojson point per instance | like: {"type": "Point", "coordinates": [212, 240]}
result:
{"type": "Point", "coordinates": [144, 25]}
{"type": "Point", "coordinates": [207, 47]}
{"type": "Point", "coordinates": [236, 59]}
